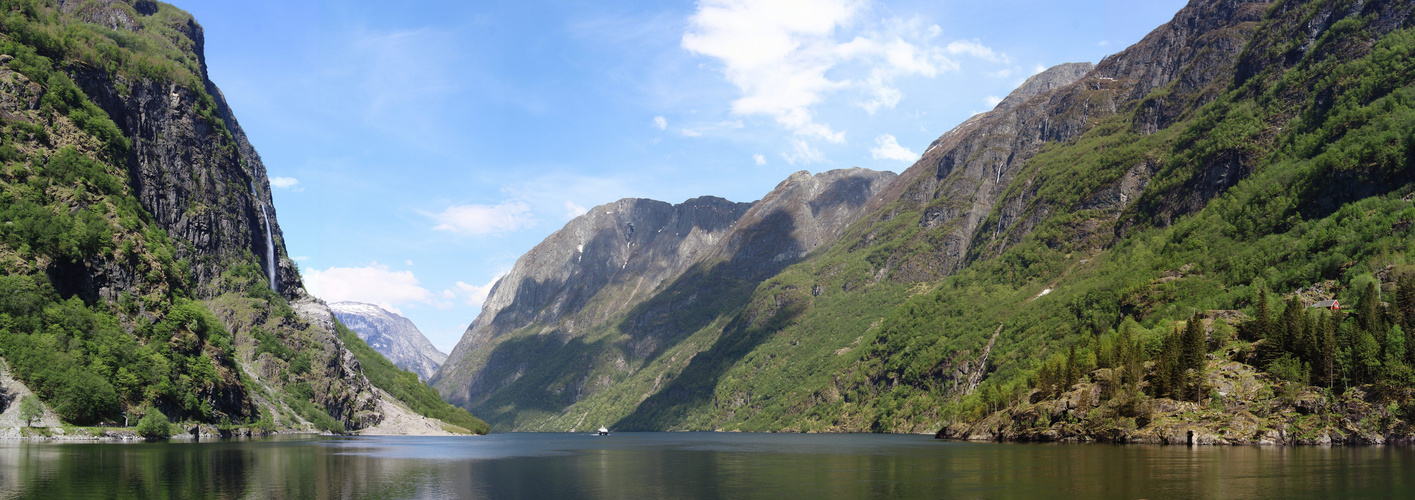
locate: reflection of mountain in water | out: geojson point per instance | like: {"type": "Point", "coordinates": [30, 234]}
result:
{"type": "Point", "coordinates": [685, 465]}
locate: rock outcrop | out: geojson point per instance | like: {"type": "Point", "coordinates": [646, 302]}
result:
{"type": "Point", "coordinates": [392, 335]}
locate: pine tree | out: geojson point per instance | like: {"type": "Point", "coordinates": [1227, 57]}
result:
{"type": "Point", "coordinates": [1171, 367]}
{"type": "Point", "coordinates": [1368, 316]}
{"type": "Point", "coordinates": [1368, 357]}
{"type": "Point", "coordinates": [1307, 348]}
{"type": "Point", "coordinates": [1324, 365]}
{"type": "Point", "coordinates": [1193, 344]}
{"type": "Point", "coordinates": [1344, 366]}
{"type": "Point", "coordinates": [1395, 346]}
{"type": "Point", "coordinates": [1290, 329]}
{"type": "Point", "coordinates": [1262, 322]}
{"type": "Point", "coordinates": [1046, 380]}
{"type": "Point", "coordinates": [1409, 345]}
{"type": "Point", "coordinates": [1405, 302]}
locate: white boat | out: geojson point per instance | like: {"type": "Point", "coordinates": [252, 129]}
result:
{"type": "Point", "coordinates": [603, 431]}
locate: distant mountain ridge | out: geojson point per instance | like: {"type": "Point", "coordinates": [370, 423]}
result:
{"type": "Point", "coordinates": [648, 266]}
{"type": "Point", "coordinates": [392, 335]}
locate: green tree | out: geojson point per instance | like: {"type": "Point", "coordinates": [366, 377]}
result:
{"type": "Point", "coordinates": [1073, 370]}
{"type": "Point", "coordinates": [1367, 354]}
{"type": "Point", "coordinates": [1288, 329]}
{"type": "Point", "coordinates": [1193, 344]}
{"type": "Point", "coordinates": [1307, 338]}
{"type": "Point", "coordinates": [1324, 365]}
{"type": "Point", "coordinates": [30, 409]}
{"type": "Point", "coordinates": [1258, 329]}
{"type": "Point", "coordinates": [1368, 311]}
{"type": "Point", "coordinates": [154, 425]}
{"type": "Point", "coordinates": [1395, 347]}
{"type": "Point", "coordinates": [1169, 368]}
{"type": "Point", "coordinates": [1405, 302]}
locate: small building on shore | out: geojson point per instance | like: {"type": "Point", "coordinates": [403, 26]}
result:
{"type": "Point", "coordinates": [1330, 305]}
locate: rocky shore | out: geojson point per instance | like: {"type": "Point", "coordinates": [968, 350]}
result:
{"type": "Point", "coordinates": [1243, 407]}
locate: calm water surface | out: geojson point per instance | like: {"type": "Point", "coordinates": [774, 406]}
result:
{"type": "Point", "coordinates": [692, 465]}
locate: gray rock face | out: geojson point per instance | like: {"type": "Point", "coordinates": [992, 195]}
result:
{"type": "Point", "coordinates": [188, 175]}
{"type": "Point", "coordinates": [597, 250]}
{"type": "Point", "coordinates": [960, 186]}
{"type": "Point", "coordinates": [652, 261]}
{"type": "Point", "coordinates": [392, 335]}
{"type": "Point", "coordinates": [1054, 77]}
{"type": "Point", "coordinates": [205, 185]}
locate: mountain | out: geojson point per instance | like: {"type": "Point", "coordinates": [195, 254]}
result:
{"type": "Point", "coordinates": [618, 286]}
{"type": "Point", "coordinates": [1103, 256]}
{"type": "Point", "coordinates": [392, 335]}
{"type": "Point", "coordinates": [143, 263]}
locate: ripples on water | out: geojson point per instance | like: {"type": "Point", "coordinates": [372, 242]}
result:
{"type": "Point", "coordinates": [692, 465]}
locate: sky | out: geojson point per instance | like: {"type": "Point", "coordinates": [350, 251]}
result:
{"type": "Point", "coordinates": [417, 148]}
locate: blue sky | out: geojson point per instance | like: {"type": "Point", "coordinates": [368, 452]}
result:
{"type": "Point", "coordinates": [418, 148]}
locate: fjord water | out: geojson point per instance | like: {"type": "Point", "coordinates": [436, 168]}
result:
{"type": "Point", "coordinates": [692, 465]}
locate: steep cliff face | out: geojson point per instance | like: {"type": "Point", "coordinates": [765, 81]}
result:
{"type": "Point", "coordinates": [201, 223]}
{"type": "Point", "coordinates": [392, 335]}
{"type": "Point", "coordinates": [961, 189]}
{"type": "Point", "coordinates": [560, 276]}
{"type": "Point", "coordinates": [650, 271]}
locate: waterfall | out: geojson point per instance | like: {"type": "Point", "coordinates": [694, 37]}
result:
{"type": "Point", "coordinates": [269, 245]}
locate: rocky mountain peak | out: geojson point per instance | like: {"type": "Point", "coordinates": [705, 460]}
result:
{"type": "Point", "coordinates": [392, 335]}
{"type": "Point", "coordinates": [607, 263]}
{"type": "Point", "coordinates": [1054, 77]}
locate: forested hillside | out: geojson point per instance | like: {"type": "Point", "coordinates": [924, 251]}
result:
{"type": "Point", "coordinates": [1113, 232]}
{"type": "Point", "coordinates": [143, 270]}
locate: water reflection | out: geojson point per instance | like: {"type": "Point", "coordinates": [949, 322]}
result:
{"type": "Point", "coordinates": [690, 466]}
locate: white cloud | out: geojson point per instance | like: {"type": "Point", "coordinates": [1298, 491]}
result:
{"type": "Point", "coordinates": [802, 153]}
{"type": "Point", "coordinates": [992, 101]}
{"type": "Point", "coordinates": [976, 49]}
{"type": "Point", "coordinates": [284, 182]}
{"type": "Point", "coordinates": [572, 210]}
{"type": "Point", "coordinates": [776, 53]}
{"type": "Point", "coordinates": [786, 57]}
{"type": "Point", "coordinates": [484, 219]}
{"type": "Point", "coordinates": [888, 148]}
{"type": "Point", "coordinates": [660, 123]}
{"type": "Point", "coordinates": [691, 133]}
{"type": "Point", "coordinates": [408, 262]}
{"type": "Point", "coordinates": [300, 258]}
{"type": "Point", "coordinates": [476, 294]}
{"type": "Point", "coordinates": [759, 159]}
{"type": "Point", "coordinates": [374, 284]}
{"type": "Point", "coordinates": [1038, 69]}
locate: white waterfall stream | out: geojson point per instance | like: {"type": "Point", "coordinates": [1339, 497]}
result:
{"type": "Point", "coordinates": [270, 264]}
